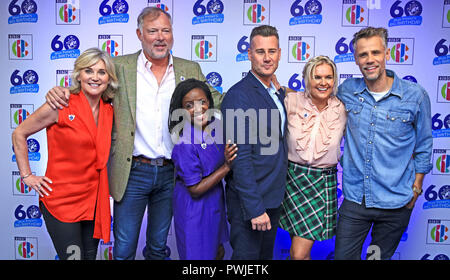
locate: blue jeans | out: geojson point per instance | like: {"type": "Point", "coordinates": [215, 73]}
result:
{"type": "Point", "coordinates": [249, 244]}
{"type": "Point", "coordinates": [354, 223]}
{"type": "Point", "coordinates": [148, 186]}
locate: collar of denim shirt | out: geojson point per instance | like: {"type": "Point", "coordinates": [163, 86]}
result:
{"type": "Point", "coordinates": [396, 88]}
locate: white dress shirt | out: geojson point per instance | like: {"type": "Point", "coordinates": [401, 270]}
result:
{"type": "Point", "coordinates": [152, 137]}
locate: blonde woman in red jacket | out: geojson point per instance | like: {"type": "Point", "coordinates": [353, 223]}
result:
{"type": "Point", "coordinates": [74, 193]}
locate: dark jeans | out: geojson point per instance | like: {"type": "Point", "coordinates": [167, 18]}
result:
{"type": "Point", "coordinates": [355, 222]}
{"type": "Point", "coordinates": [148, 187]}
{"type": "Point", "coordinates": [72, 241]}
{"type": "Point", "coordinates": [249, 244]}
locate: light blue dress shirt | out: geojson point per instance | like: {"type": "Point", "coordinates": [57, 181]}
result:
{"type": "Point", "coordinates": [273, 93]}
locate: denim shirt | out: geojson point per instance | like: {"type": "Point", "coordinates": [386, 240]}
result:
{"type": "Point", "coordinates": [386, 142]}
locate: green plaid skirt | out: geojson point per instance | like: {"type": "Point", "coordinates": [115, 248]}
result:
{"type": "Point", "coordinates": [309, 208]}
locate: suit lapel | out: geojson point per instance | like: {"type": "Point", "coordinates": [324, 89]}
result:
{"type": "Point", "coordinates": [179, 69]}
{"type": "Point", "coordinates": [130, 74]}
{"type": "Point", "coordinates": [261, 90]}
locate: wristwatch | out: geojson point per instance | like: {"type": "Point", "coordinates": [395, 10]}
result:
{"type": "Point", "coordinates": [417, 190]}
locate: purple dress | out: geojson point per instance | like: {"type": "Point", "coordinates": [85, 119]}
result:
{"type": "Point", "coordinates": [200, 223]}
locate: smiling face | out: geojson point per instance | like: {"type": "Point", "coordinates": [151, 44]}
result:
{"type": "Point", "coordinates": [94, 79]}
{"type": "Point", "coordinates": [156, 37]}
{"type": "Point", "coordinates": [371, 56]}
{"type": "Point", "coordinates": [321, 84]}
{"type": "Point", "coordinates": [264, 55]}
{"type": "Point", "coordinates": [196, 103]}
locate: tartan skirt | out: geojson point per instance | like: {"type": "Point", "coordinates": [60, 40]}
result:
{"type": "Point", "coordinates": [309, 207]}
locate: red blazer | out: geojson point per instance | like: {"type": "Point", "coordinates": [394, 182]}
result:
{"type": "Point", "coordinates": [78, 151]}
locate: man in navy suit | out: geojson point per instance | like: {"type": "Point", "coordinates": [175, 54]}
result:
{"type": "Point", "coordinates": [255, 119]}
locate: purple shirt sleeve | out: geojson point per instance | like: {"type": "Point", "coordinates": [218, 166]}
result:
{"type": "Point", "coordinates": [187, 164]}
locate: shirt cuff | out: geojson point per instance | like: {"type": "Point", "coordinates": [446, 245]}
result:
{"type": "Point", "coordinates": [423, 167]}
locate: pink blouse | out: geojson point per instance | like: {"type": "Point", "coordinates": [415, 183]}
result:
{"type": "Point", "coordinates": [314, 137]}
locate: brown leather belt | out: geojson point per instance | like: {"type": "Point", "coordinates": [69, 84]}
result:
{"type": "Point", "coordinates": [156, 161]}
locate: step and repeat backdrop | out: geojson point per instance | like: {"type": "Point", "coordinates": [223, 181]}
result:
{"type": "Point", "coordinates": [40, 40]}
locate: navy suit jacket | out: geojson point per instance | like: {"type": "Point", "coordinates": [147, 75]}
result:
{"type": "Point", "coordinates": [259, 171]}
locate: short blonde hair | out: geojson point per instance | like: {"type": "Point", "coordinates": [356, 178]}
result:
{"type": "Point", "coordinates": [311, 65]}
{"type": "Point", "coordinates": [88, 58]}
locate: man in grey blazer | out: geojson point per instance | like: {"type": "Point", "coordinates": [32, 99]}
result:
{"type": "Point", "coordinates": [141, 173]}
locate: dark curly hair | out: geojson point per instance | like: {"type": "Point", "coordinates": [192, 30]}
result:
{"type": "Point", "coordinates": [180, 92]}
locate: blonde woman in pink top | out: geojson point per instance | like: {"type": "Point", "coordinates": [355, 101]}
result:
{"type": "Point", "coordinates": [316, 121]}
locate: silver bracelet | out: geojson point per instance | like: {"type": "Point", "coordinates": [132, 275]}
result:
{"type": "Point", "coordinates": [26, 176]}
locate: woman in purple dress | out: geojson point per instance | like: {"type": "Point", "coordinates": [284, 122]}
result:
{"type": "Point", "coordinates": [200, 163]}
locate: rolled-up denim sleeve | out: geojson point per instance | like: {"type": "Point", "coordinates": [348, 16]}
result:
{"type": "Point", "coordinates": [424, 137]}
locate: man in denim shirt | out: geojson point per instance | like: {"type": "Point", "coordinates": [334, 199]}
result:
{"type": "Point", "coordinates": [387, 151]}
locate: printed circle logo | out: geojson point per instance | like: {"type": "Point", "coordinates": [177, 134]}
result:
{"type": "Point", "coordinates": [313, 7]}
{"type": "Point", "coordinates": [20, 115]}
{"type": "Point", "coordinates": [214, 79]}
{"type": "Point", "coordinates": [110, 46]}
{"type": "Point", "coordinates": [71, 42]}
{"type": "Point", "coordinates": [413, 8]}
{"type": "Point", "coordinates": [438, 233]}
{"type": "Point", "coordinates": [300, 51]}
{"type": "Point", "coordinates": [443, 164]}
{"type": "Point", "coordinates": [22, 187]}
{"type": "Point", "coordinates": [26, 250]}
{"type": "Point", "coordinates": [30, 77]}
{"type": "Point", "coordinates": [33, 212]}
{"type": "Point", "coordinates": [202, 49]}
{"type": "Point", "coordinates": [19, 48]}
{"type": "Point", "coordinates": [33, 145]}
{"type": "Point", "coordinates": [354, 14]}
{"type": "Point", "coordinates": [214, 7]}
{"type": "Point", "coordinates": [67, 13]}
{"type": "Point", "coordinates": [120, 7]}
{"type": "Point", "coordinates": [445, 91]}
{"type": "Point", "coordinates": [444, 192]}
{"type": "Point", "coordinates": [398, 52]}
{"type": "Point", "coordinates": [29, 7]}
{"type": "Point", "coordinates": [254, 13]}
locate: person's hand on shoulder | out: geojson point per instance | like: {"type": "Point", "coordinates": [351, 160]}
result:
{"type": "Point", "coordinates": [57, 97]}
